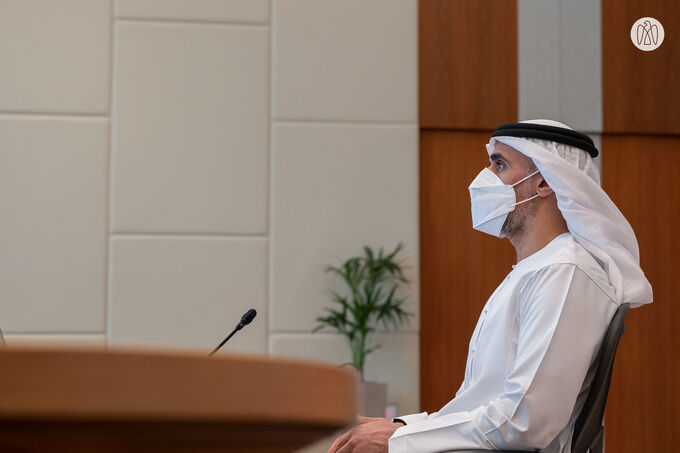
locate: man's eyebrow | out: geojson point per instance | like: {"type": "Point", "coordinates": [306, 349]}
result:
{"type": "Point", "coordinates": [495, 156]}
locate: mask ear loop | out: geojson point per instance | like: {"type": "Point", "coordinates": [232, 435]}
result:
{"type": "Point", "coordinates": [524, 179]}
{"type": "Point", "coordinates": [524, 201]}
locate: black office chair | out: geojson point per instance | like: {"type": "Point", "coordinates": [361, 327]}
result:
{"type": "Point", "coordinates": [588, 430]}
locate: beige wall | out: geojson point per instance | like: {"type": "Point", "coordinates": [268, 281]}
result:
{"type": "Point", "coordinates": [167, 165]}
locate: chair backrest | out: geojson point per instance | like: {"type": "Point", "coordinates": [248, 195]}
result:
{"type": "Point", "coordinates": [589, 422]}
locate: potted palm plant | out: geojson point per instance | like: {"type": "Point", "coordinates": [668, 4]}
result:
{"type": "Point", "coordinates": [369, 299]}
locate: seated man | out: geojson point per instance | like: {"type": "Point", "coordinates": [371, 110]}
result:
{"type": "Point", "coordinates": [531, 358]}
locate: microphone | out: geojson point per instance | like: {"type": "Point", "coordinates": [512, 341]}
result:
{"type": "Point", "coordinates": [246, 319]}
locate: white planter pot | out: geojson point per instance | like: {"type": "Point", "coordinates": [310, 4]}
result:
{"type": "Point", "coordinates": [371, 398]}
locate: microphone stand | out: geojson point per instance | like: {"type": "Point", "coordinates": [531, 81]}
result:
{"type": "Point", "coordinates": [238, 327]}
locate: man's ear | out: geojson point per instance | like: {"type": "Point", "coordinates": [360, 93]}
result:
{"type": "Point", "coordinates": [544, 190]}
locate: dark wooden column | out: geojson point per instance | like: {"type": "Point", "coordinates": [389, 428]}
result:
{"type": "Point", "coordinates": [468, 85]}
{"type": "Point", "coordinates": [641, 173]}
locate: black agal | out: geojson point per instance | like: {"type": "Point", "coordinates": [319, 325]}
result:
{"type": "Point", "coordinates": [556, 134]}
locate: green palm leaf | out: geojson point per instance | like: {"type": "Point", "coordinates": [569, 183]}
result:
{"type": "Point", "coordinates": [371, 282]}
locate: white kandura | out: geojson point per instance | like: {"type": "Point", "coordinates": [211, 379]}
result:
{"type": "Point", "coordinates": [530, 362]}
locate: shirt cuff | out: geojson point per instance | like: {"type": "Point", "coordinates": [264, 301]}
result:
{"type": "Point", "coordinates": [411, 418]}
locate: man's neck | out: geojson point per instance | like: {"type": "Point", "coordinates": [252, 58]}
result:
{"type": "Point", "coordinates": [533, 239]}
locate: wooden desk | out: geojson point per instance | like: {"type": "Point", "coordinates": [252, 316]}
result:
{"type": "Point", "coordinates": [135, 401]}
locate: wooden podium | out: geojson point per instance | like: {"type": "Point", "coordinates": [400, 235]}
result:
{"type": "Point", "coordinates": [124, 401]}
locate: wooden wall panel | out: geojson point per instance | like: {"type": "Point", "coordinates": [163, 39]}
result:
{"type": "Point", "coordinates": [640, 90]}
{"type": "Point", "coordinates": [641, 176]}
{"type": "Point", "coordinates": [460, 267]}
{"type": "Point", "coordinates": [467, 63]}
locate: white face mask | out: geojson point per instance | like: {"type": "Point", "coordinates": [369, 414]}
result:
{"type": "Point", "coordinates": [492, 201]}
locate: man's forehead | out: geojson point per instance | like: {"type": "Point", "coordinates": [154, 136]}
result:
{"type": "Point", "coordinates": [505, 151]}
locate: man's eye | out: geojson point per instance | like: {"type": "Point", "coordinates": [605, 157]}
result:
{"type": "Point", "coordinates": [499, 165]}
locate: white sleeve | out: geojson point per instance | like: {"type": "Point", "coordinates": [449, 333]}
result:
{"type": "Point", "coordinates": [562, 319]}
{"type": "Point", "coordinates": [422, 416]}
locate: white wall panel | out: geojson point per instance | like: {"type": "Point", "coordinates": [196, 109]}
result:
{"type": "Point", "coordinates": [560, 62]}
{"type": "Point", "coordinates": [53, 194]}
{"type": "Point", "coordinates": [581, 64]}
{"type": "Point", "coordinates": [337, 188]}
{"type": "Point", "coordinates": [190, 129]}
{"type": "Point", "coordinates": [256, 11]}
{"type": "Point", "coordinates": [539, 59]}
{"type": "Point", "coordinates": [56, 341]}
{"type": "Point", "coordinates": [188, 291]}
{"type": "Point", "coordinates": [199, 223]}
{"type": "Point", "coordinates": [55, 56]}
{"type": "Point", "coordinates": [345, 60]}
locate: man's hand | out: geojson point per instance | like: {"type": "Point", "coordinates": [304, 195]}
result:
{"type": "Point", "coordinates": [370, 435]}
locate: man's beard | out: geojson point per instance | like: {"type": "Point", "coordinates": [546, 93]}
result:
{"type": "Point", "coordinates": [520, 218]}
